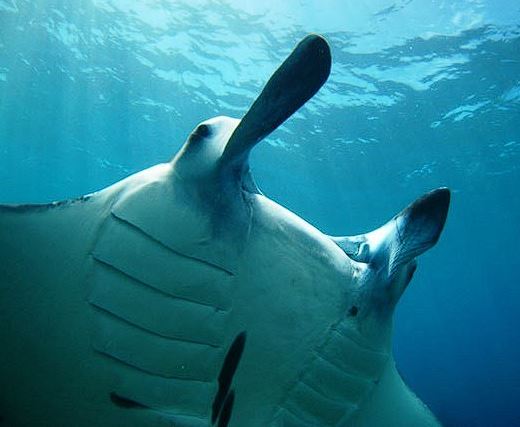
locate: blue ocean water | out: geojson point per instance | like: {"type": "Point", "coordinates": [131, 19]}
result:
{"type": "Point", "coordinates": [422, 93]}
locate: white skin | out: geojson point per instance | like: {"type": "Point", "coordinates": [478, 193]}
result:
{"type": "Point", "coordinates": [91, 310]}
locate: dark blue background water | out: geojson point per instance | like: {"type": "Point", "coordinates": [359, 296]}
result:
{"type": "Point", "coordinates": [422, 94]}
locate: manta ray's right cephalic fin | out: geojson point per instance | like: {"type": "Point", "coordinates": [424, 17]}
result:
{"type": "Point", "coordinates": [407, 235]}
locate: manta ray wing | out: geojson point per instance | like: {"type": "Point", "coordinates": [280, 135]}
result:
{"type": "Point", "coordinates": [151, 316]}
{"type": "Point", "coordinates": [116, 306]}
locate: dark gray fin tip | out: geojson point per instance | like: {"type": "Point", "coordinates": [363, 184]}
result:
{"type": "Point", "coordinates": [225, 378]}
{"type": "Point", "coordinates": [38, 207]}
{"type": "Point", "coordinates": [418, 228]}
{"type": "Point", "coordinates": [434, 206]}
{"type": "Point", "coordinates": [126, 403]}
{"type": "Point", "coordinates": [227, 410]}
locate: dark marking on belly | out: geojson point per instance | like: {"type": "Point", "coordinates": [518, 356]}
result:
{"type": "Point", "coordinates": [224, 398]}
{"type": "Point", "coordinates": [123, 402]}
{"type": "Point", "coordinates": [227, 409]}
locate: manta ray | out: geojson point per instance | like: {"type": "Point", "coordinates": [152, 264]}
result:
{"type": "Point", "coordinates": [182, 296]}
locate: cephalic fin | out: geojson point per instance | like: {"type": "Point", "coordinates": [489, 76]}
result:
{"type": "Point", "coordinates": [299, 77]}
{"type": "Point", "coordinates": [409, 234]}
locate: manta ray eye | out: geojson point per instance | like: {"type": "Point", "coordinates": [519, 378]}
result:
{"type": "Point", "coordinates": [203, 131]}
{"type": "Point", "coordinates": [353, 311]}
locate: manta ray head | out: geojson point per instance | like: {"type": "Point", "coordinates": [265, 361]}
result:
{"type": "Point", "coordinates": [217, 151]}
{"type": "Point", "coordinates": [199, 157]}
{"type": "Point", "coordinates": [199, 203]}
{"type": "Point", "coordinates": [387, 261]}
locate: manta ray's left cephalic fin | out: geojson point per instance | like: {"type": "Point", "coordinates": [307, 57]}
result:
{"type": "Point", "coordinates": [299, 77]}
